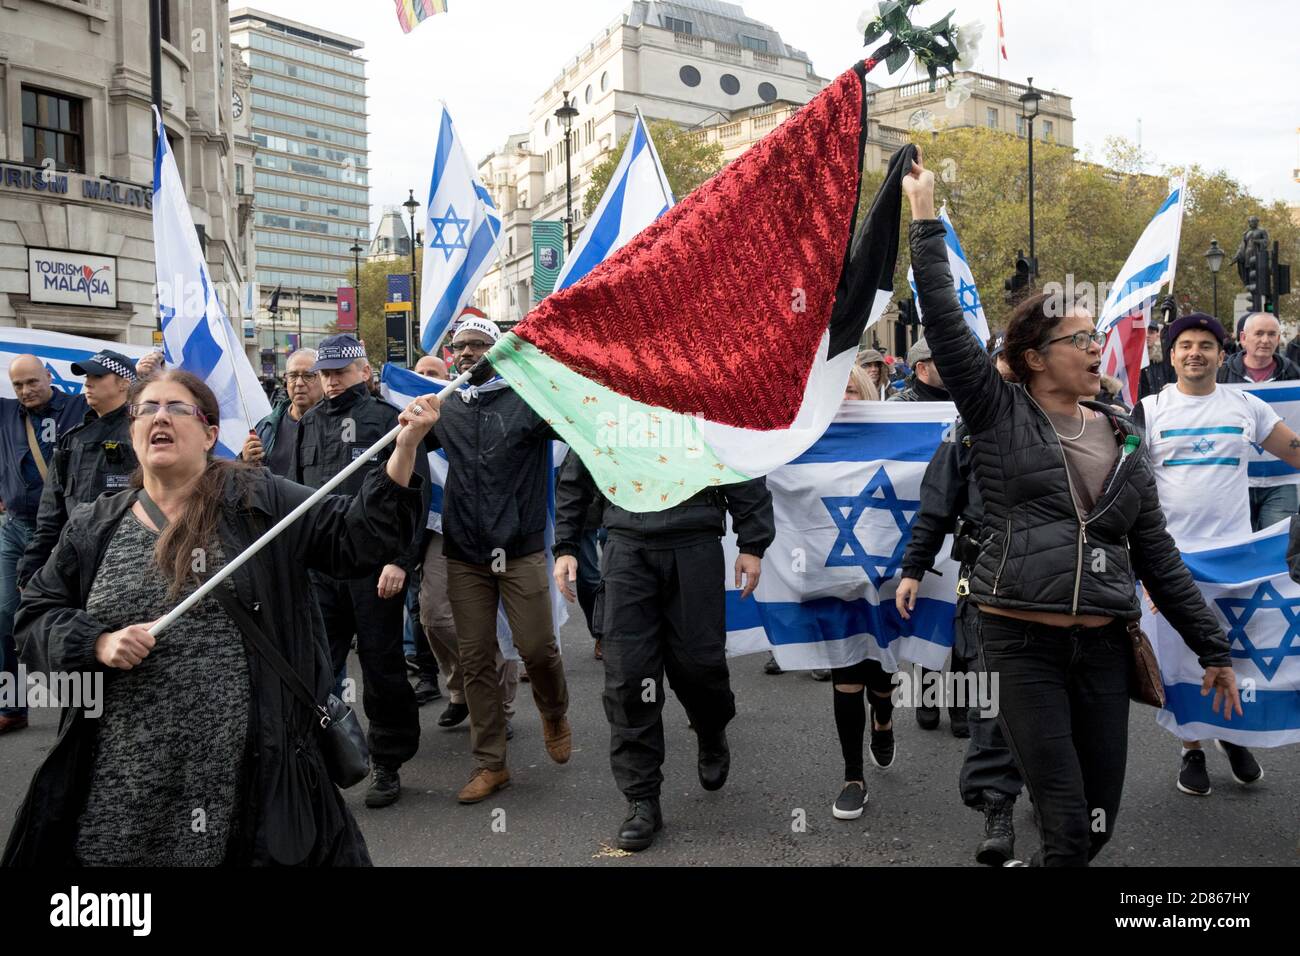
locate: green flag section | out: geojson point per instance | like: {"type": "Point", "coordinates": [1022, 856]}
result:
{"type": "Point", "coordinates": [642, 457]}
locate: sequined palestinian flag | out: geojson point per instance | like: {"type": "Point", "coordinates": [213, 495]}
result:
{"type": "Point", "coordinates": [715, 345]}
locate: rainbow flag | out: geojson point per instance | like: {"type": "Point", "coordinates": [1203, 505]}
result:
{"type": "Point", "coordinates": [411, 13]}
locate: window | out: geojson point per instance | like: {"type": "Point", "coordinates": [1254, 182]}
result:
{"type": "Point", "coordinates": [604, 81]}
{"type": "Point", "coordinates": [546, 128]}
{"type": "Point", "coordinates": [730, 85]}
{"type": "Point", "coordinates": [766, 92]}
{"type": "Point", "coordinates": [510, 245]}
{"type": "Point", "coordinates": [1020, 125]}
{"type": "Point", "coordinates": [679, 26]}
{"type": "Point", "coordinates": [587, 95]}
{"type": "Point", "coordinates": [165, 20]}
{"type": "Point", "coordinates": [753, 43]}
{"type": "Point", "coordinates": [689, 75]}
{"type": "Point", "coordinates": [1047, 131]}
{"type": "Point", "coordinates": [991, 117]}
{"type": "Point", "coordinates": [52, 129]}
{"type": "Point", "coordinates": [239, 178]}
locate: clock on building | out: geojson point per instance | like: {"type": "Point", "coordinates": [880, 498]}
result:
{"type": "Point", "coordinates": [237, 106]}
{"type": "Point", "coordinates": [921, 121]}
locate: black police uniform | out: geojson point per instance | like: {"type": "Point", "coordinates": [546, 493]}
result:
{"type": "Point", "coordinates": [92, 459]}
{"type": "Point", "coordinates": [664, 610]}
{"type": "Point", "coordinates": [331, 435]}
{"type": "Point", "coordinates": [951, 504]}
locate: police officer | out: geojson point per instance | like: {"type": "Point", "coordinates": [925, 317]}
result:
{"type": "Point", "coordinates": [951, 504]}
{"type": "Point", "coordinates": [664, 610]}
{"type": "Point", "coordinates": [91, 459]}
{"type": "Point", "coordinates": [330, 436]}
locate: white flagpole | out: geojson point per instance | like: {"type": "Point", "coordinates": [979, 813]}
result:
{"type": "Point", "coordinates": [289, 519]}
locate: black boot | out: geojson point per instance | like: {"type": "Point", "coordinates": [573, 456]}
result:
{"type": "Point", "coordinates": [999, 842]}
{"type": "Point", "coordinates": [714, 760]}
{"type": "Point", "coordinates": [385, 786]}
{"type": "Point", "coordinates": [643, 821]}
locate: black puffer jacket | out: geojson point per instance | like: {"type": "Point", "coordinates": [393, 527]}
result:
{"type": "Point", "coordinates": [295, 815]}
{"type": "Point", "coordinates": [1036, 553]}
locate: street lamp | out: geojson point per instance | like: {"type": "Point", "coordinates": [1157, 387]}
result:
{"type": "Point", "coordinates": [565, 115]}
{"type": "Point", "coordinates": [356, 277]}
{"type": "Point", "coordinates": [412, 325]}
{"type": "Point", "coordinates": [1029, 109]}
{"type": "Point", "coordinates": [1214, 256]}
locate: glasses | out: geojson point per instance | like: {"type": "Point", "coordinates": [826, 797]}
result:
{"type": "Point", "coordinates": [174, 409]}
{"type": "Point", "coordinates": [301, 376]}
{"type": "Point", "coordinates": [1081, 340]}
{"type": "Point", "coordinates": [470, 345]}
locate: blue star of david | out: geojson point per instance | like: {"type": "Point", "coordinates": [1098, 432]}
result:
{"type": "Point", "coordinates": [69, 385]}
{"type": "Point", "coordinates": [847, 510]}
{"type": "Point", "coordinates": [1238, 612]}
{"type": "Point", "coordinates": [1203, 446]}
{"type": "Point", "coordinates": [440, 240]}
{"type": "Point", "coordinates": [968, 297]}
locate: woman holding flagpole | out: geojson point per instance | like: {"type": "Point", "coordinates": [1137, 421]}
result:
{"type": "Point", "coordinates": [204, 750]}
{"type": "Point", "coordinates": [1071, 520]}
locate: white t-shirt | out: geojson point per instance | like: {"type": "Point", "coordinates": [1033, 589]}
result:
{"type": "Point", "coordinates": [1199, 445]}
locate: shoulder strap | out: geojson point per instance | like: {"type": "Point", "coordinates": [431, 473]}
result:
{"type": "Point", "coordinates": [244, 620]}
{"type": "Point", "coordinates": [35, 446]}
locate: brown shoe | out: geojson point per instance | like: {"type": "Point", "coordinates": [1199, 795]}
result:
{"type": "Point", "coordinates": [13, 722]}
{"type": "Point", "coordinates": [559, 738]}
{"type": "Point", "coordinates": [599, 655]}
{"type": "Point", "coordinates": [483, 783]}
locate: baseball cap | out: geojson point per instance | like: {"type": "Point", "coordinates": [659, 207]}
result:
{"type": "Point", "coordinates": [338, 351]}
{"type": "Point", "coordinates": [106, 363]}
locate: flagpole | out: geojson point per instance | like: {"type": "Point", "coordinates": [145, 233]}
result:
{"type": "Point", "coordinates": [362, 459]}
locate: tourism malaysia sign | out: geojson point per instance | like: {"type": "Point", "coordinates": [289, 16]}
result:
{"type": "Point", "coordinates": [72, 278]}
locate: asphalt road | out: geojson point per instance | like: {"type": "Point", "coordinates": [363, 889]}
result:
{"type": "Point", "coordinates": [785, 767]}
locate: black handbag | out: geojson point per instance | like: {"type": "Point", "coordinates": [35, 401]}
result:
{"type": "Point", "coordinates": [338, 732]}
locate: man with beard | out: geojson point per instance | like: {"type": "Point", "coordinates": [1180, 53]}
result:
{"type": "Point", "coordinates": [1199, 437]}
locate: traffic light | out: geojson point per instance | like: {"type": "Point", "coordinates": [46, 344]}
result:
{"type": "Point", "coordinates": [1020, 280]}
{"type": "Point", "coordinates": [1280, 283]}
{"type": "Point", "coordinates": [1257, 276]}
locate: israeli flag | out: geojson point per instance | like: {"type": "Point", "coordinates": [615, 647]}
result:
{"type": "Point", "coordinates": [1246, 584]}
{"type": "Point", "coordinates": [638, 193]}
{"type": "Point", "coordinates": [844, 512]}
{"type": "Point", "coordinates": [197, 335]}
{"type": "Point", "coordinates": [399, 387]}
{"type": "Point", "coordinates": [57, 351]}
{"type": "Point", "coordinates": [460, 236]}
{"type": "Point", "coordinates": [963, 281]}
{"type": "Point", "coordinates": [1262, 469]}
{"type": "Point", "coordinates": [1151, 263]}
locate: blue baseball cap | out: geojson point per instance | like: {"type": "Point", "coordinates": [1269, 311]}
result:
{"type": "Point", "coordinates": [338, 351]}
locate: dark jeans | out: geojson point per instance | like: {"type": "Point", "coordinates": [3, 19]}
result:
{"type": "Point", "coordinates": [15, 533]}
{"type": "Point", "coordinates": [1064, 710]}
{"type": "Point", "coordinates": [355, 607]}
{"type": "Point", "coordinates": [664, 612]}
{"type": "Point", "coordinates": [1268, 506]}
{"type": "Point", "coordinates": [989, 764]}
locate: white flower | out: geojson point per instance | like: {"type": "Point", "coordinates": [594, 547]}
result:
{"type": "Point", "coordinates": [959, 92]}
{"type": "Point", "coordinates": [966, 37]}
{"type": "Point", "coordinates": [867, 15]}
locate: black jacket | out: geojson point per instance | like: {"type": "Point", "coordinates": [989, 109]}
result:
{"type": "Point", "coordinates": [1037, 553]}
{"type": "Point", "coordinates": [917, 391]}
{"type": "Point", "coordinates": [948, 492]}
{"type": "Point", "coordinates": [94, 458]}
{"type": "Point", "coordinates": [295, 815]}
{"type": "Point", "coordinates": [498, 485]}
{"type": "Point", "coordinates": [1233, 369]}
{"type": "Point", "coordinates": [1156, 376]}
{"type": "Point", "coordinates": [700, 517]}
{"type": "Point", "coordinates": [333, 433]}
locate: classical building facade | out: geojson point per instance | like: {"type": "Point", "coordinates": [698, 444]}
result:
{"type": "Point", "coordinates": [310, 184]}
{"type": "Point", "coordinates": [76, 160]}
{"type": "Point", "coordinates": [695, 62]}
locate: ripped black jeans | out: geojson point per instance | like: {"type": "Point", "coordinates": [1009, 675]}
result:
{"type": "Point", "coordinates": [1064, 709]}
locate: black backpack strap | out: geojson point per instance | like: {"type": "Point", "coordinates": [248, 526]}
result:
{"type": "Point", "coordinates": [152, 510]}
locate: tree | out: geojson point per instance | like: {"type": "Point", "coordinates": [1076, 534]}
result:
{"type": "Point", "coordinates": [374, 293]}
{"type": "Point", "coordinates": [688, 160]}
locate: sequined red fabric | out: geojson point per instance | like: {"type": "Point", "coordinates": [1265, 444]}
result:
{"type": "Point", "coordinates": [718, 307]}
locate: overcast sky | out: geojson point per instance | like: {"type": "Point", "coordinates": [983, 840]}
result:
{"type": "Point", "coordinates": [1180, 66]}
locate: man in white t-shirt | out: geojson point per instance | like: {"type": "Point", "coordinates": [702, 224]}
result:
{"type": "Point", "coordinates": [1198, 436]}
